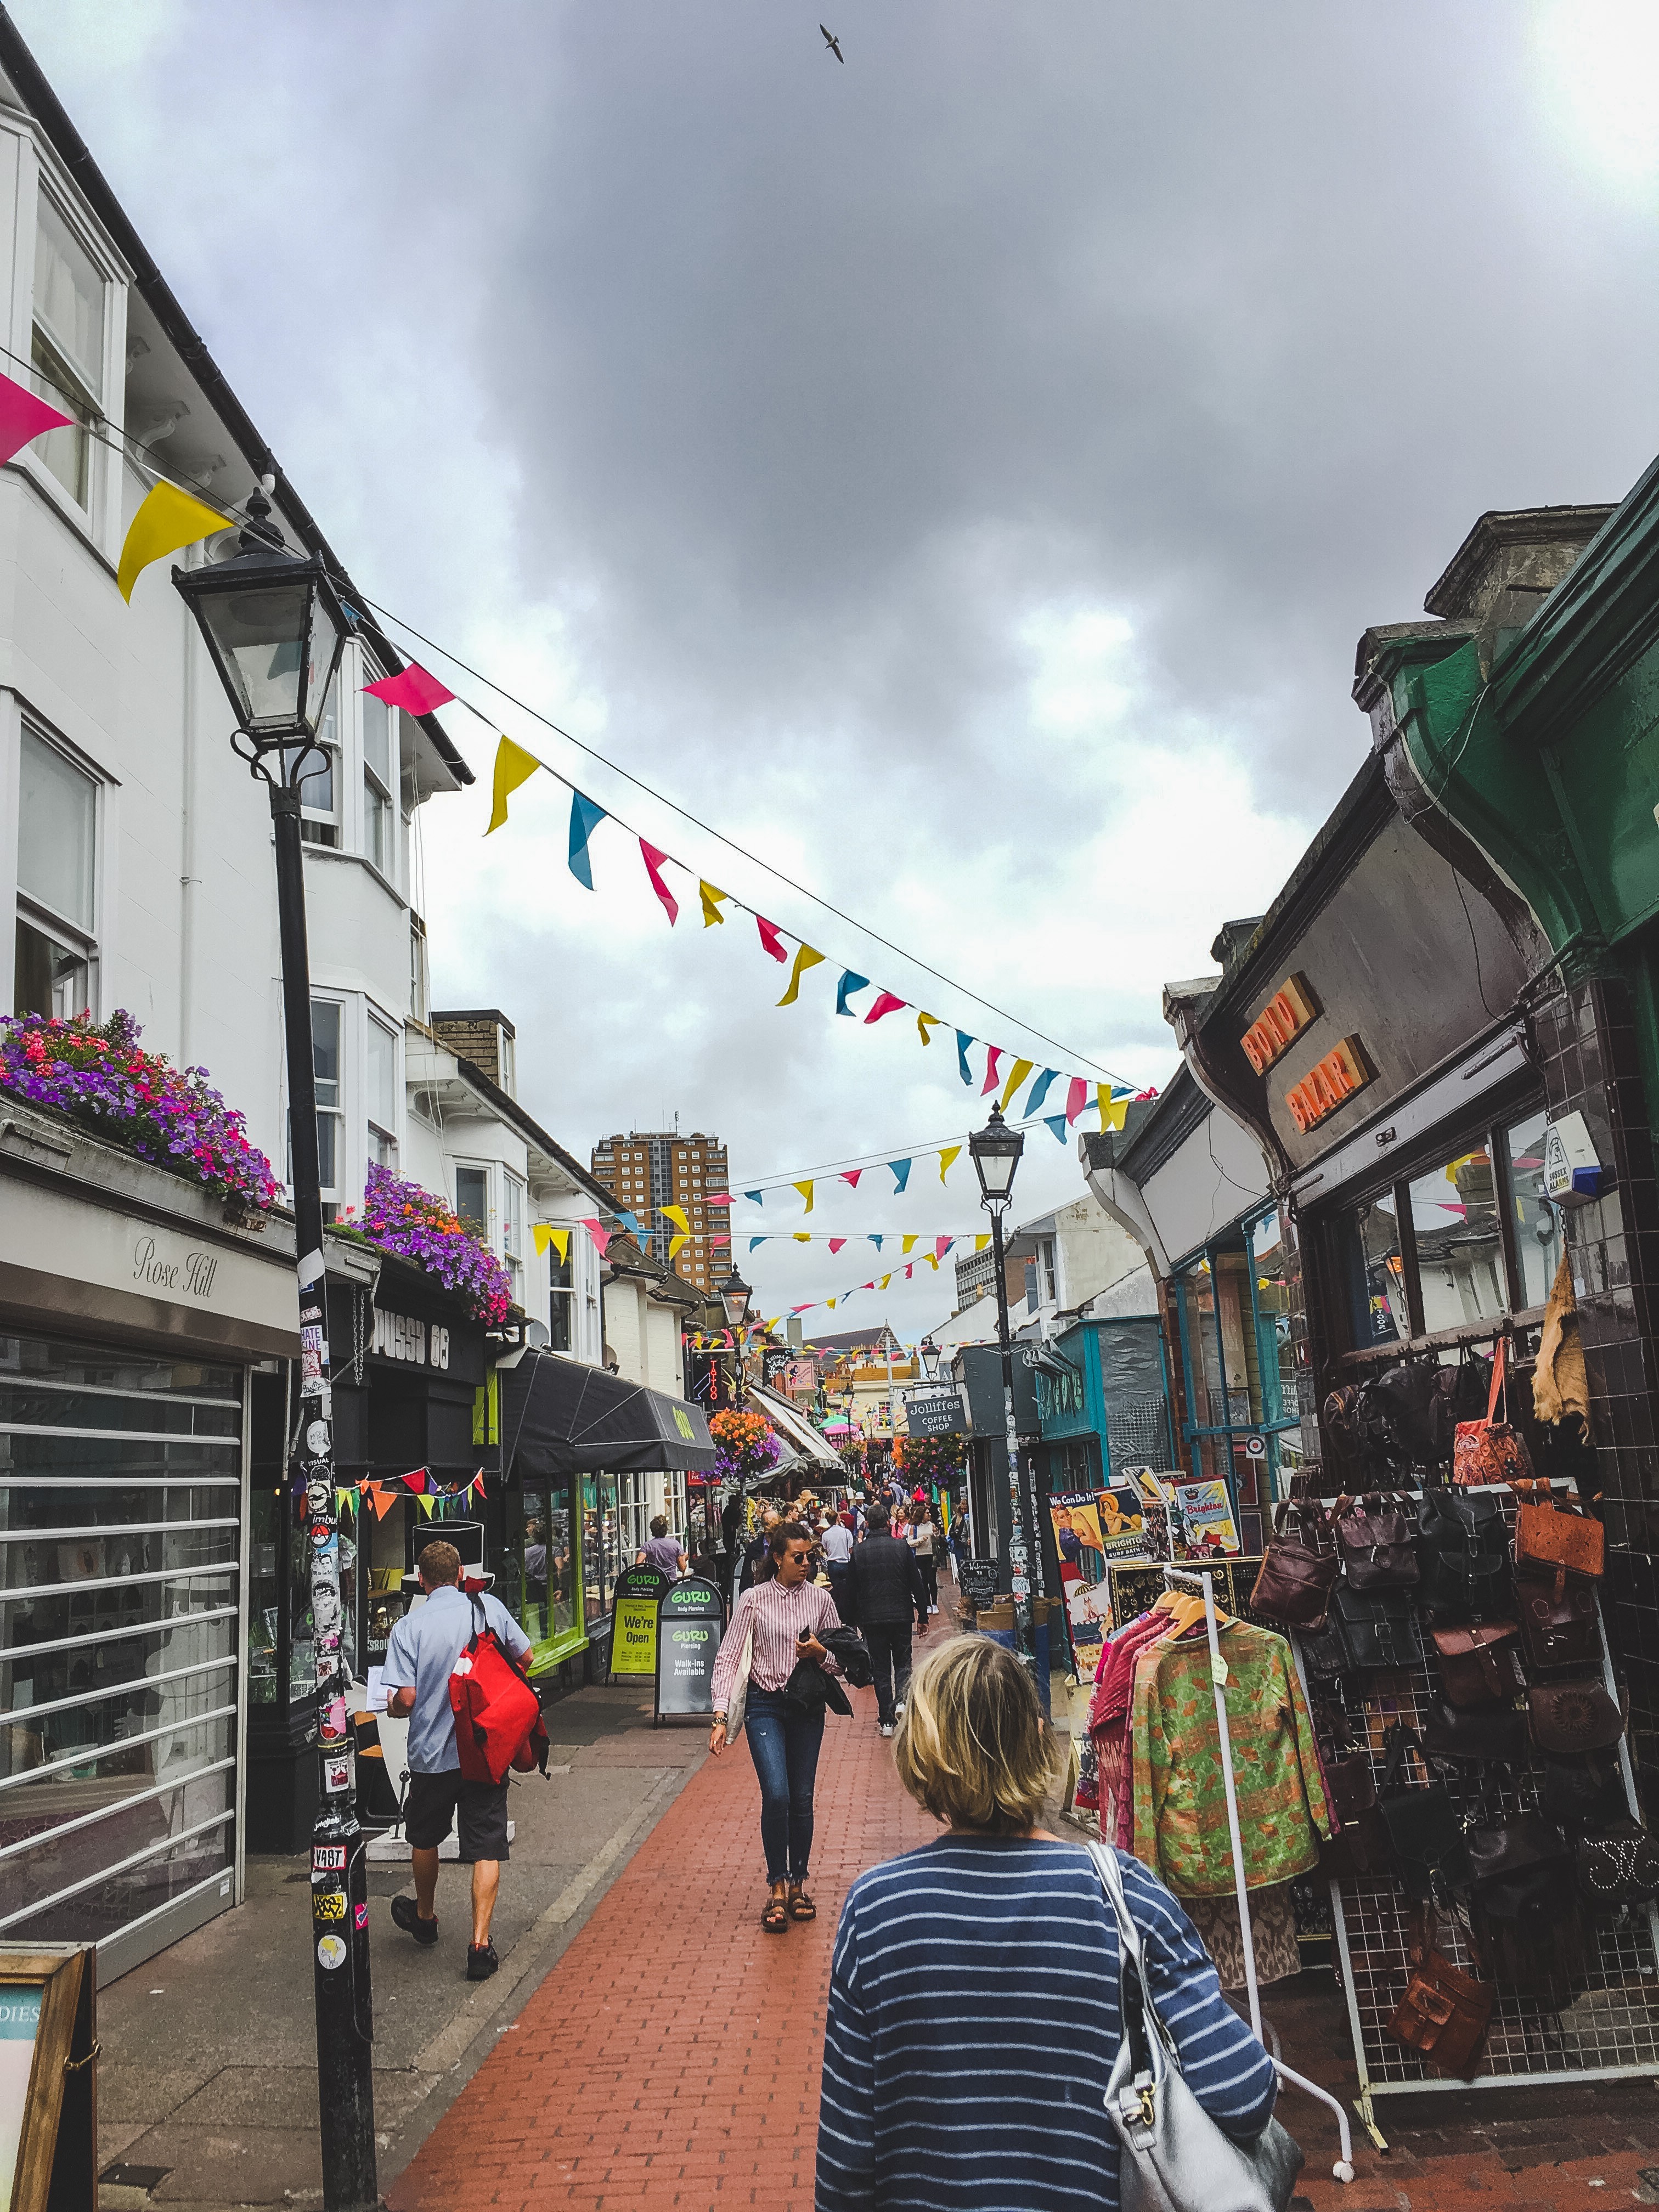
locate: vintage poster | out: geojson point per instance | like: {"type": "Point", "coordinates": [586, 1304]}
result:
{"type": "Point", "coordinates": [1207, 1515]}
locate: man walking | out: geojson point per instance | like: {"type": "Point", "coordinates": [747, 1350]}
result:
{"type": "Point", "coordinates": [664, 1552]}
{"type": "Point", "coordinates": [883, 1591]}
{"type": "Point", "coordinates": [924, 1542]}
{"type": "Point", "coordinates": [420, 1657]}
{"type": "Point", "coordinates": [838, 1548]}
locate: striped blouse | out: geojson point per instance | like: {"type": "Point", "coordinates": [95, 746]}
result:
{"type": "Point", "coordinates": [973, 2021]}
{"type": "Point", "coordinates": [778, 1615]}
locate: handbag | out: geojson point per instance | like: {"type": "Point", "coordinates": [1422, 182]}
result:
{"type": "Point", "coordinates": [1175, 2156]}
{"type": "Point", "coordinates": [1445, 2012]}
{"type": "Point", "coordinates": [1463, 1551]}
{"type": "Point", "coordinates": [1479, 1666]}
{"type": "Point", "coordinates": [1573, 1716]}
{"type": "Point", "coordinates": [1582, 1793]}
{"type": "Point", "coordinates": [1423, 1824]}
{"type": "Point", "coordinates": [739, 1696]}
{"type": "Point", "coordinates": [1525, 1912]}
{"type": "Point", "coordinates": [1476, 1737]}
{"type": "Point", "coordinates": [1556, 1539]}
{"type": "Point", "coordinates": [1376, 1537]}
{"type": "Point", "coordinates": [1322, 1653]}
{"type": "Point", "coordinates": [1558, 1627]}
{"type": "Point", "coordinates": [1618, 1864]}
{"type": "Point", "coordinates": [1405, 1397]}
{"type": "Point", "coordinates": [1459, 1392]}
{"type": "Point", "coordinates": [1490, 1451]}
{"type": "Point", "coordinates": [1377, 1628]}
{"type": "Point", "coordinates": [1293, 1587]}
{"type": "Point", "coordinates": [1349, 1783]}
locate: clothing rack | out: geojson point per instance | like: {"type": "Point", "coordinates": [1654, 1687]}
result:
{"type": "Point", "coordinates": [1343, 2169]}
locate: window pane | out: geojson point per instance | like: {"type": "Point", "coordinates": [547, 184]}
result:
{"type": "Point", "coordinates": [1275, 1354]}
{"type": "Point", "coordinates": [382, 1075]}
{"type": "Point", "coordinates": [1537, 1223]}
{"type": "Point", "coordinates": [1198, 1303]}
{"type": "Point", "coordinates": [512, 1221]}
{"type": "Point", "coordinates": [69, 296]}
{"type": "Point", "coordinates": [377, 828]}
{"type": "Point", "coordinates": [328, 1151]}
{"type": "Point", "coordinates": [1369, 1243]}
{"type": "Point", "coordinates": [1460, 1260]}
{"type": "Point", "coordinates": [326, 1049]}
{"type": "Point", "coordinates": [67, 450]}
{"type": "Point", "coordinates": [48, 977]}
{"type": "Point", "coordinates": [1238, 1351]}
{"type": "Point", "coordinates": [472, 1197]}
{"type": "Point", "coordinates": [56, 829]}
{"type": "Point", "coordinates": [377, 739]}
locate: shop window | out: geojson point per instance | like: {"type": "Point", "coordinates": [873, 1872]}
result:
{"type": "Point", "coordinates": [633, 1515]}
{"type": "Point", "coordinates": [1374, 1269]}
{"type": "Point", "coordinates": [539, 1584]}
{"type": "Point", "coordinates": [67, 347]}
{"type": "Point", "coordinates": [56, 876]}
{"type": "Point", "coordinates": [472, 1199]}
{"type": "Point", "coordinates": [1460, 1257]}
{"type": "Point", "coordinates": [601, 1546]}
{"type": "Point", "coordinates": [381, 1087]}
{"type": "Point", "coordinates": [1537, 1223]}
{"type": "Point", "coordinates": [380, 784]}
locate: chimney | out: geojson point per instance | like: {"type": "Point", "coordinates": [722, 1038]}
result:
{"type": "Point", "coordinates": [485, 1036]}
{"type": "Point", "coordinates": [1512, 562]}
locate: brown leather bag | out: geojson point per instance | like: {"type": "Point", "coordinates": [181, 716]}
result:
{"type": "Point", "coordinates": [1556, 1539]}
{"type": "Point", "coordinates": [1297, 1575]}
{"type": "Point", "coordinates": [1490, 1451]}
{"type": "Point", "coordinates": [1480, 1666]}
{"type": "Point", "coordinates": [1557, 1626]}
{"type": "Point", "coordinates": [1444, 2013]}
{"type": "Point", "coordinates": [1573, 1716]}
{"type": "Point", "coordinates": [1377, 1535]}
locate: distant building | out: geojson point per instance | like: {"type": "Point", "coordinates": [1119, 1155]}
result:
{"type": "Point", "coordinates": [648, 1170]}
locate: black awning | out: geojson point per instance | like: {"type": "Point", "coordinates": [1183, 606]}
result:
{"type": "Point", "coordinates": [560, 1417]}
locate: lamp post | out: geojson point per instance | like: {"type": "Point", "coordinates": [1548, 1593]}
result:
{"type": "Point", "coordinates": [735, 1296]}
{"type": "Point", "coordinates": [929, 1354]}
{"type": "Point", "coordinates": [275, 628]}
{"type": "Point", "coordinates": [996, 1150]}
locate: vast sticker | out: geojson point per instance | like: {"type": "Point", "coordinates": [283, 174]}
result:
{"type": "Point", "coordinates": [328, 1858]}
{"type": "Point", "coordinates": [331, 1952]}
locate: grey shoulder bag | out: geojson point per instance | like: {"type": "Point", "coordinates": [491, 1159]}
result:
{"type": "Point", "coordinates": [1175, 2157]}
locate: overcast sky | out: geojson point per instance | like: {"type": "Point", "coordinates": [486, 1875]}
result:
{"type": "Point", "coordinates": [961, 476]}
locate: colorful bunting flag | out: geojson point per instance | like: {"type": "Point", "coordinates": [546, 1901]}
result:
{"type": "Point", "coordinates": [676, 1215]}
{"type": "Point", "coordinates": [711, 903]}
{"type": "Point", "coordinates": [514, 765]}
{"type": "Point", "coordinates": [755, 1242]}
{"type": "Point", "coordinates": [1016, 1075]}
{"type": "Point", "coordinates": [24, 418]}
{"type": "Point", "coordinates": [629, 1221]}
{"type": "Point", "coordinates": [947, 1160]}
{"type": "Point", "coordinates": [962, 1042]}
{"type": "Point", "coordinates": [932, 1258]}
{"type": "Point", "coordinates": [805, 957]}
{"type": "Point", "coordinates": [802, 1235]}
{"type": "Point", "coordinates": [416, 690]}
{"type": "Point", "coordinates": [653, 858]}
{"type": "Point", "coordinates": [1077, 1095]}
{"type": "Point", "coordinates": [877, 1242]}
{"type": "Point", "coordinates": [168, 521]}
{"type": "Point", "coordinates": [675, 1242]}
{"type": "Point", "coordinates": [1040, 1089]}
{"type": "Point", "coordinates": [560, 1240]}
{"type": "Point", "coordinates": [427, 1505]}
{"type": "Point", "coordinates": [755, 1197]}
{"type": "Point", "coordinates": [923, 1022]}
{"type": "Point", "coordinates": [909, 1243]}
{"type": "Point", "coordinates": [1056, 1124]}
{"type": "Point", "coordinates": [942, 1245]}
{"type": "Point", "coordinates": [901, 1174]}
{"type": "Point", "coordinates": [771, 941]}
{"type": "Point", "coordinates": [836, 1244]}
{"type": "Point", "coordinates": [805, 1190]}
{"type": "Point", "coordinates": [885, 1281]}
{"type": "Point", "coordinates": [851, 1175]}
{"type": "Point", "coordinates": [885, 1004]}
{"type": "Point", "coordinates": [717, 1198]}
{"type": "Point", "coordinates": [980, 1243]}
{"type": "Point", "coordinates": [600, 1235]}
{"type": "Point", "coordinates": [993, 1061]}
{"type": "Point", "coordinates": [850, 981]}
{"type": "Point", "coordinates": [585, 819]}
{"type": "Point", "coordinates": [1114, 1112]}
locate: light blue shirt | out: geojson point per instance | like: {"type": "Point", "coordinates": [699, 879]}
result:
{"type": "Point", "coordinates": [421, 1656]}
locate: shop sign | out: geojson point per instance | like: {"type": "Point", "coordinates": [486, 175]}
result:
{"type": "Point", "coordinates": [401, 1336]}
{"type": "Point", "coordinates": [1572, 1174]}
{"type": "Point", "coordinates": [1328, 1083]}
{"type": "Point", "coordinates": [47, 2065]}
{"type": "Point", "coordinates": [1278, 1024]}
{"type": "Point", "coordinates": [633, 1620]}
{"type": "Point", "coordinates": [934, 1409]}
{"type": "Point", "coordinates": [690, 1620]}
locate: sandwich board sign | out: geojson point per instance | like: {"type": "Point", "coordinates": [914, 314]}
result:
{"type": "Point", "coordinates": [690, 1622]}
{"type": "Point", "coordinates": [633, 1620]}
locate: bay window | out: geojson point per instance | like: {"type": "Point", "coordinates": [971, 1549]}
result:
{"type": "Point", "coordinates": [379, 786]}
{"type": "Point", "coordinates": [512, 1233]}
{"type": "Point", "coordinates": [325, 1062]}
{"type": "Point", "coordinates": [67, 347]}
{"type": "Point", "coordinates": [472, 1199]}
{"type": "Point", "coordinates": [380, 1091]}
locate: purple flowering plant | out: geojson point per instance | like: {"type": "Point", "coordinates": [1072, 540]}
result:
{"type": "Point", "coordinates": [402, 1219]}
{"type": "Point", "coordinates": [94, 1072]}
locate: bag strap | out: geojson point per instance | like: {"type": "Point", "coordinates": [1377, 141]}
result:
{"type": "Point", "coordinates": [481, 1619]}
{"type": "Point", "coordinates": [1398, 1743]}
{"type": "Point", "coordinates": [1498, 1383]}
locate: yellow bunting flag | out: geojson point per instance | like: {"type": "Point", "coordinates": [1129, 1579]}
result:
{"type": "Point", "coordinates": [560, 1241]}
{"type": "Point", "coordinates": [425, 1505]}
{"type": "Point", "coordinates": [909, 1242]}
{"type": "Point", "coordinates": [804, 958]}
{"type": "Point", "coordinates": [1016, 1075]}
{"type": "Point", "coordinates": [676, 1215]}
{"type": "Point", "coordinates": [830, 1304]}
{"type": "Point", "coordinates": [947, 1159]}
{"type": "Point", "coordinates": [980, 1243]}
{"type": "Point", "coordinates": [167, 520]}
{"type": "Point", "coordinates": [514, 765]}
{"type": "Point", "coordinates": [803, 1237]}
{"type": "Point", "coordinates": [675, 1242]}
{"type": "Point", "coordinates": [923, 1022]}
{"type": "Point", "coordinates": [1114, 1112]}
{"type": "Point", "coordinates": [932, 1258]}
{"type": "Point", "coordinates": [769, 1326]}
{"type": "Point", "coordinates": [711, 905]}
{"type": "Point", "coordinates": [805, 1190]}
{"type": "Point", "coordinates": [885, 1281]}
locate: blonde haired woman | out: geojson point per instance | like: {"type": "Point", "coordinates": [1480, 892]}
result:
{"type": "Point", "coordinates": [973, 2017]}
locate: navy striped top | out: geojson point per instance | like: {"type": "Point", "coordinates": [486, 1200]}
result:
{"type": "Point", "coordinates": [973, 2021]}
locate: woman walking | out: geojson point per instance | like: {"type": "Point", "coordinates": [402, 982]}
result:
{"type": "Point", "coordinates": [782, 1618]}
{"type": "Point", "coordinates": [938, 2100]}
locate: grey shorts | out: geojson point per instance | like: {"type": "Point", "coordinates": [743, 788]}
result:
{"type": "Point", "coordinates": [478, 1809]}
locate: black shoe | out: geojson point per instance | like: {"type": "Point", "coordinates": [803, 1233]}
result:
{"type": "Point", "coordinates": [481, 1961]}
{"type": "Point", "coordinates": [425, 1932]}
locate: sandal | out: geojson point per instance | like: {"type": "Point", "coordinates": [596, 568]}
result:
{"type": "Point", "coordinates": [801, 1906]}
{"type": "Point", "coordinates": [775, 1919]}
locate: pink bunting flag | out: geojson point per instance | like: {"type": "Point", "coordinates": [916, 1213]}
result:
{"type": "Point", "coordinates": [885, 1004]}
{"type": "Point", "coordinates": [720, 1240]}
{"type": "Point", "coordinates": [807, 1307]}
{"type": "Point", "coordinates": [22, 417]}
{"type": "Point", "coordinates": [717, 1198]}
{"type": "Point", "coordinates": [868, 1286]}
{"type": "Point", "coordinates": [1150, 1093]}
{"type": "Point", "coordinates": [654, 859]}
{"type": "Point", "coordinates": [909, 1271]}
{"type": "Point", "coordinates": [1077, 1097]}
{"type": "Point", "coordinates": [416, 690]}
{"type": "Point", "coordinates": [600, 1235]}
{"type": "Point", "coordinates": [993, 1062]}
{"type": "Point", "coordinates": [852, 1176]}
{"type": "Point", "coordinates": [774, 944]}
{"type": "Point", "coordinates": [942, 1245]}
{"type": "Point", "coordinates": [836, 1244]}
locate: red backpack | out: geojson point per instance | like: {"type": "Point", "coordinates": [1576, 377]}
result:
{"type": "Point", "coordinates": [498, 1716]}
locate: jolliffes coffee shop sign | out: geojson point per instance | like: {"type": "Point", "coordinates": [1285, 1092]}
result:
{"type": "Point", "coordinates": [690, 1621]}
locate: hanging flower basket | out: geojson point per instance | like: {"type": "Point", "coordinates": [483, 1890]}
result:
{"type": "Point", "coordinates": [94, 1072]}
{"type": "Point", "coordinates": [407, 1222]}
{"type": "Point", "coordinates": [745, 1444]}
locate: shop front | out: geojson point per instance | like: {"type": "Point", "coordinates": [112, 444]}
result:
{"type": "Point", "coordinates": [136, 1324]}
{"type": "Point", "coordinates": [582, 1454]}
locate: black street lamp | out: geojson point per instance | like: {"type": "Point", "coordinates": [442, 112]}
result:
{"type": "Point", "coordinates": [274, 628]}
{"type": "Point", "coordinates": [735, 1296]}
{"type": "Point", "coordinates": [929, 1354]}
{"type": "Point", "coordinates": [996, 1150]}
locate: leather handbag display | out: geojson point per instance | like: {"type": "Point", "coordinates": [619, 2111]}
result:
{"type": "Point", "coordinates": [1459, 1392]}
{"type": "Point", "coordinates": [1293, 1587]}
{"type": "Point", "coordinates": [1445, 2012]}
{"type": "Point", "coordinates": [1322, 1653]}
{"type": "Point", "coordinates": [1552, 1538]}
{"type": "Point", "coordinates": [1618, 1864]}
{"type": "Point", "coordinates": [1558, 1628]}
{"type": "Point", "coordinates": [1361, 1850]}
{"type": "Point", "coordinates": [1490, 1451]}
{"type": "Point", "coordinates": [1525, 1910]}
{"type": "Point", "coordinates": [1377, 1628]}
{"type": "Point", "coordinates": [1480, 1666]}
{"type": "Point", "coordinates": [1581, 1793]}
{"type": "Point", "coordinates": [1489, 1735]}
{"type": "Point", "coordinates": [1573, 1716]}
{"type": "Point", "coordinates": [1174, 2156]}
{"type": "Point", "coordinates": [1463, 1551]}
{"type": "Point", "coordinates": [1377, 1536]}
{"type": "Point", "coordinates": [1423, 1824]}
{"type": "Point", "coordinates": [1513, 1847]}
{"type": "Point", "coordinates": [1405, 1398]}
{"type": "Point", "coordinates": [1349, 1781]}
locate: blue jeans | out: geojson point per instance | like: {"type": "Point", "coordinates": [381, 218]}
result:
{"type": "Point", "coordinates": [783, 1742]}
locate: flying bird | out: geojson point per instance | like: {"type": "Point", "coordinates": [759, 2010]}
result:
{"type": "Point", "coordinates": [834, 45]}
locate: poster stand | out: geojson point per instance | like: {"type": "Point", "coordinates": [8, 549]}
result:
{"type": "Point", "coordinates": [690, 1622]}
{"type": "Point", "coordinates": [634, 1600]}
{"type": "Point", "coordinates": [49, 2077]}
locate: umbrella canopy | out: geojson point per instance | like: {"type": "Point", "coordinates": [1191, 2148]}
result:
{"type": "Point", "coordinates": [560, 1417]}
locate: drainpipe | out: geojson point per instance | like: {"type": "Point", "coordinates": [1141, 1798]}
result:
{"type": "Point", "coordinates": [188, 879]}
